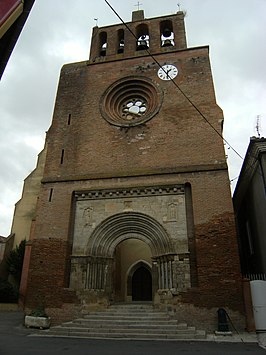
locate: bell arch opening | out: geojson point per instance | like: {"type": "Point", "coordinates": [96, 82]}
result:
{"type": "Point", "coordinates": [143, 38]}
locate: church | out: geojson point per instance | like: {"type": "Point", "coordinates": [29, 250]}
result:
{"type": "Point", "coordinates": [134, 203]}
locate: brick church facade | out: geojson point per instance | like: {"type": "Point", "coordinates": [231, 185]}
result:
{"type": "Point", "coordinates": [135, 202]}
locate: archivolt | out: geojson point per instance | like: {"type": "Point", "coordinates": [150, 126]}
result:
{"type": "Point", "coordinates": [109, 233]}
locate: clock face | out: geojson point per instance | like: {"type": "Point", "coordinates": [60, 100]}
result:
{"type": "Point", "coordinates": [167, 72]}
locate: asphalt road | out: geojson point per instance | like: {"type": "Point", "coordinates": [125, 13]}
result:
{"type": "Point", "coordinates": [15, 340]}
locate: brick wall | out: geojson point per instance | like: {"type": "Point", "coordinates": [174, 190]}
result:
{"type": "Point", "coordinates": [219, 281]}
{"type": "Point", "coordinates": [47, 274]}
{"type": "Point", "coordinates": [94, 148]}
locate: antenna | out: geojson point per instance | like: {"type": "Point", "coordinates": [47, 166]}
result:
{"type": "Point", "coordinates": [96, 21]}
{"type": "Point", "coordinates": [258, 125]}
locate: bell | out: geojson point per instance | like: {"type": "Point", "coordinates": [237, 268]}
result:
{"type": "Point", "coordinates": [103, 51]}
{"type": "Point", "coordinates": [142, 44]}
{"type": "Point", "coordinates": [121, 46]}
{"type": "Point", "coordinates": [167, 32]}
{"type": "Point", "coordinates": [167, 43]}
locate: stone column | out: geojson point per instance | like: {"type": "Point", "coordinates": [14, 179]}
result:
{"type": "Point", "coordinates": [165, 271]}
{"type": "Point", "coordinates": [155, 272]}
{"type": "Point", "coordinates": [99, 273]}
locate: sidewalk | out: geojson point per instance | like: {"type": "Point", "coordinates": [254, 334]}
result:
{"type": "Point", "coordinates": [234, 338]}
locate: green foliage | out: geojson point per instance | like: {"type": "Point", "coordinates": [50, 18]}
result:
{"type": "Point", "coordinates": [8, 294]}
{"type": "Point", "coordinates": [15, 261]}
{"type": "Point", "coordinates": [39, 312]}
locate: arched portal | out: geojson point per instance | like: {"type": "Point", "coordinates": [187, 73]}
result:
{"type": "Point", "coordinates": [100, 267]}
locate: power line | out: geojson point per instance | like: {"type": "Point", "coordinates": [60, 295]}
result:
{"type": "Point", "coordinates": [176, 85]}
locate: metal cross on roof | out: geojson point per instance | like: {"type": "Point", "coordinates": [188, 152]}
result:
{"type": "Point", "coordinates": [138, 4]}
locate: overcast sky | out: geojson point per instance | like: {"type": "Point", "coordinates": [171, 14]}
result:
{"type": "Point", "coordinates": [58, 32]}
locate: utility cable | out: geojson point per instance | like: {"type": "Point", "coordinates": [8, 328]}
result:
{"type": "Point", "coordinates": [176, 85]}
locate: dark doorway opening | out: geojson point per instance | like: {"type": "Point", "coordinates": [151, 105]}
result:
{"type": "Point", "coordinates": [142, 285]}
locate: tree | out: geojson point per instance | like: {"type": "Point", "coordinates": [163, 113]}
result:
{"type": "Point", "coordinates": [7, 292]}
{"type": "Point", "coordinates": [15, 261]}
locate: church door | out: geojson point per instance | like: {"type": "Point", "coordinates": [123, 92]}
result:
{"type": "Point", "coordinates": [142, 285]}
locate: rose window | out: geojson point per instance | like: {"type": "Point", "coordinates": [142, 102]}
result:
{"type": "Point", "coordinates": [131, 101]}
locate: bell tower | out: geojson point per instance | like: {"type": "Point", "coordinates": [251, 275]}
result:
{"type": "Point", "coordinates": [120, 42]}
{"type": "Point", "coordinates": [135, 201]}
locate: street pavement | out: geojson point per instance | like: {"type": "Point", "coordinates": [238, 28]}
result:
{"type": "Point", "coordinates": [15, 339]}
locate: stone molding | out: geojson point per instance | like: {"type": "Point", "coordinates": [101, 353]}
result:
{"type": "Point", "coordinates": [130, 192]}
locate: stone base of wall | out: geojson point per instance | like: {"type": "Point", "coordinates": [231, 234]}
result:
{"type": "Point", "coordinates": [204, 318]}
{"type": "Point", "coordinates": [200, 317]}
{"type": "Point", "coordinates": [66, 313]}
{"type": "Point", "coordinates": [92, 300]}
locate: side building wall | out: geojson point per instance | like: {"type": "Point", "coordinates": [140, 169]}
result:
{"type": "Point", "coordinates": [250, 207]}
{"type": "Point", "coordinates": [25, 208]}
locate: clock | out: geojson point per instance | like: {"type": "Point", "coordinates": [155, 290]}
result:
{"type": "Point", "coordinates": [167, 72]}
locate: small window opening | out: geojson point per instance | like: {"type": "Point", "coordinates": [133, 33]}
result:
{"type": "Point", "coordinates": [51, 194]}
{"type": "Point", "coordinates": [167, 34]}
{"type": "Point", "coordinates": [103, 44]}
{"type": "Point", "coordinates": [121, 41]}
{"type": "Point", "coordinates": [62, 156]}
{"type": "Point", "coordinates": [69, 119]}
{"type": "Point", "coordinates": [143, 38]}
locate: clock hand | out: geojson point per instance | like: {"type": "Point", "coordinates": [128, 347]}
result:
{"type": "Point", "coordinates": [167, 73]}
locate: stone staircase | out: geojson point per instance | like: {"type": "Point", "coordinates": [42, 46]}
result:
{"type": "Point", "coordinates": [127, 321]}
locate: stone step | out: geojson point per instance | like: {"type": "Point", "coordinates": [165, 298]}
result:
{"type": "Point", "coordinates": [137, 313]}
{"type": "Point", "coordinates": [124, 336]}
{"type": "Point", "coordinates": [125, 325]}
{"type": "Point", "coordinates": [131, 306]}
{"type": "Point", "coordinates": [134, 305]}
{"type": "Point", "coordinates": [127, 312]}
{"type": "Point", "coordinates": [128, 330]}
{"type": "Point", "coordinates": [115, 323]}
{"type": "Point", "coordinates": [113, 311]}
{"type": "Point", "coordinates": [127, 322]}
{"type": "Point", "coordinates": [105, 317]}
